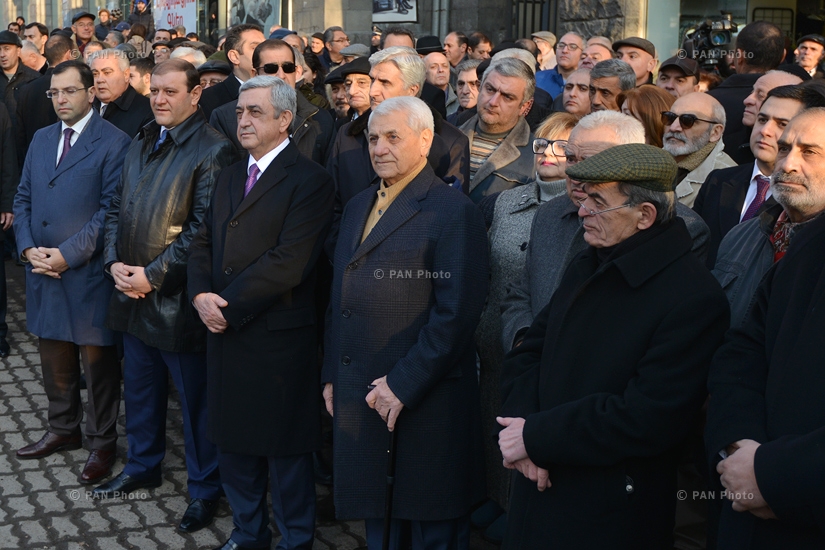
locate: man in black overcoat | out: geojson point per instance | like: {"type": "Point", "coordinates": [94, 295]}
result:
{"type": "Point", "coordinates": [611, 375]}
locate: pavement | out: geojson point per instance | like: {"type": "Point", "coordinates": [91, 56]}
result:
{"type": "Point", "coordinates": [43, 506]}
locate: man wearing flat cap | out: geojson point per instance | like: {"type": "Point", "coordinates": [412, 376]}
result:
{"type": "Point", "coordinates": [83, 26]}
{"type": "Point", "coordinates": [678, 76]}
{"type": "Point", "coordinates": [639, 54]}
{"type": "Point", "coordinates": [810, 53]}
{"type": "Point", "coordinates": [610, 377]}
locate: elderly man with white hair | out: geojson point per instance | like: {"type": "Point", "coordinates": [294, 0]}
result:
{"type": "Point", "coordinates": [410, 280]}
{"type": "Point", "coordinates": [115, 100]}
{"type": "Point", "coordinates": [193, 56]}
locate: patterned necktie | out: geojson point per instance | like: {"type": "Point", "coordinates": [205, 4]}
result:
{"type": "Point", "coordinates": [161, 139]}
{"type": "Point", "coordinates": [762, 185]}
{"type": "Point", "coordinates": [251, 180]}
{"type": "Point", "coordinates": [67, 144]}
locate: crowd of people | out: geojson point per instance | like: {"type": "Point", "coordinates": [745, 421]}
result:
{"type": "Point", "coordinates": [572, 292]}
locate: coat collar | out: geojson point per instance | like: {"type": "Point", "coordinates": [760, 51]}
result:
{"type": "Point", "coordinates": [275, 173]}
{"type": "Point", "coordinates": [123, 102]}
{"type": "Point", "coordinates": [505, 154]}
{"type": "Point", "coordinates": [179, 134]}
{"type": "Point", "coordinates": [305, 110]}
{"type": "Point", "coordinates": [715, 160]}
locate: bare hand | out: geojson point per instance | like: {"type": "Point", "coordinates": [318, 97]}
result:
{"type": "Point", "coordinates": [209, 307]}
{"type": "Point", "coordinates": [763, 513]}
{"type": "Point", "coordinates": [328, 397]}
{"type": "Point", "coordinates": [532, 472]}
{"type": "Point", "coordinates": [6, 219]}
{"type": "Point", "coordinates": [37, 259]}
{"type": "Point", "coordinates": [130, 280]}
{"type": "Point", "coordinates": [738, 477]}
{"type": "Point", "coordinates": [54, 259]}
{"type": "Point", "coordinates": [383, 400]}
{"type": "Point", "coordinates": [511, 439]}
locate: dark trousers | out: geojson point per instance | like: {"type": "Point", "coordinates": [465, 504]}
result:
{"type": "Point", "coordinates": [60, 364]}
{"type": "Point", "coordinates": [292, 485]}
{"type": "Point", "coordinates": [145, 391]}
{"type": "Point", "coordinates": [451, 534]}
{"type": "Point", "coordinates": [4, 327]}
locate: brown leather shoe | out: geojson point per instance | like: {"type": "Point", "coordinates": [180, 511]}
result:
{"type": "Point", "coordinates": [50, 444]}
{"type": "Point", "coordinates": [98, 466]}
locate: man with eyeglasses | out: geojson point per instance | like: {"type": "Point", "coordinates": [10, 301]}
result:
{"type": "Point", "coordinates": [639, 54]}
{"type": "Point", "coordinates": [70, 176]}
{"type": "Point", "coordinates": [161, 51]}
{"type": "Point", "coordinates": [311, 127]}
{"type": "Point", "coordinates": [693, 135]}
{"type": "Point", "coordinates": [115, 99]}
{"type": "Point", "coordinates": [335, 40]}
{"type": "Point", "coordinates": [83, 27]}
{"type": "Point", "coordinates": [568, 55]}
{"type": "Point", "coordinates": [611, 375]}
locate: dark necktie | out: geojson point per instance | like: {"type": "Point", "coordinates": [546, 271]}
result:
{"type": "Point", "coordinates": [161, 139]}
{"type": "Point", "coordinates": [762, 185]}
{"type": "Point", "coordinates": [67, 144]}
{"type": "Point", "coordinates": [250, 181]}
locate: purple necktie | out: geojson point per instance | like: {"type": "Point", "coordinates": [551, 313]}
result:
{"type": "Point", "coordinates": [762, 185]}
{"type": "Point", "coordinates": [67, 144]}
{"type": "Point", "coordinates": [250, 181]}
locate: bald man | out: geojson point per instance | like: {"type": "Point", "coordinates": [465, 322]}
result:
{"type": "Point", "coordinates": [438, 74]}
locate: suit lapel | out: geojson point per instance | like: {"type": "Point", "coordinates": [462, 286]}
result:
{"type": "Point", "coordinates": [732, 197]}
{"type": "Point", "coordinates": [83, 147]}
{"type": "Point", "coordinates": [272, 176]}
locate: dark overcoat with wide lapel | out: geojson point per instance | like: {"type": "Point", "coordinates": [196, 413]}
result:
{"type": "Point", "coordinates": [259, 253]}
{"type": "Point", "coordinates": [387, 316]}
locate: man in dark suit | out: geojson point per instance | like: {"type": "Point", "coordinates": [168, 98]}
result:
{"type": "Point", "coordinates": [733, 195]}
{"type": "Point", "coordinates": [241, 41]}
{"type": "Point", "coordinates": [765, 433]}
{"type": "Point", "coordinates": [611, 375]}
{"type": "Point", "coordinates": [251, 275]}
{"type": "Point", "coordinates": [9, 179]}
{"type": "Point", "coordinates": [410, 280]}
{"type": "Point", "coordinates": [69, 178]}
{"type": "Point", "coordinates": [115, 99]}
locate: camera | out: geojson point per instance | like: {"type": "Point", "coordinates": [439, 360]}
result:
{"type": "Point", "coordinates": [709, 42]}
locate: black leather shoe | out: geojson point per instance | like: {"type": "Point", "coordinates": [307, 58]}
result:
{"type": "Point", "coordinates": [5, 349]}
{"type": "Point", "coordinates": [232, 545]}
{"type": "Point", "coordinates": [123, 484]}
{"type": "Point", "coordinates": [200, 513]}
{"type": "Point", "coordinates": [50, 444]}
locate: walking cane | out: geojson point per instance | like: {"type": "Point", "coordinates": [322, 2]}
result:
{"type": "Point", "coordinates": [390, 487]}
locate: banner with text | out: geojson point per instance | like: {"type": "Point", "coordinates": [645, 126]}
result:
{"type": "Point", "coordinates": [173, 13]}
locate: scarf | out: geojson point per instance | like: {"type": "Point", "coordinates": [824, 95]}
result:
{"type": "Point", "coordinates": [693, 160]}
{"type": "Point", "coordinates": [783, 231]}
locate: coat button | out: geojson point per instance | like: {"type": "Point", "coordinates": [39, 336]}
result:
{"type": "Point", "coordinates": [353, 265]}
{"type": "Point", "coordinates": [346, 313]}
{"type": "Point", "coordinates": [51, 186]}
{"type": "Point", "coordinates": [45, 224]}
{"type": "Point", "coordinates": [233, 223]}
{"type": "Point", "coordinates": [227, 271]}
{"type": "Point", "coordinates": [629, 485]}
{"type": "Point", "coordinates": [345, 360]}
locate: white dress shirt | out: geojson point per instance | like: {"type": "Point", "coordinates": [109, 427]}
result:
{"type": "Point", "coordinates": [78, 128]}
{"type": "Point", "coordinates": [264, 162]}
{"type": "Point", "coordinates": [751, 194]}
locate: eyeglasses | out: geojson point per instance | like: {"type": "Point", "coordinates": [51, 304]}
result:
{"type": "Point", "coordinates": [272, 68]}
{"type": "Point", "coordinates": [68, 92]}
{"type": "Point", "coordinates": [571, 47]}
{"type": "Point", "coordinates": [557, 146]}
{"type": "Point", "coordinates": [591, 212]}
{"type": "Point", "coordinates": [686, 121]}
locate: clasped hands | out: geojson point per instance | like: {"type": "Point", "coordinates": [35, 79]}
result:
{"type": "Point", "coordinates": [46, 261]}
{"type": "Point", "coordinates": [130, 280]}
{"type": "Point", "coordinates": [739, 479]}
{"type": "Point", "coordinates": [511, 443]}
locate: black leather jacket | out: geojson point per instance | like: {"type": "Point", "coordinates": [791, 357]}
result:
{"type": "Point", "coordinates": [161, 200]}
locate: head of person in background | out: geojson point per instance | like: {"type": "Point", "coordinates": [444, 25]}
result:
{"type": "Point", "coordinates": [193, 56]}
{"type": "Point", "coordinates": [479, 46]}
{"type": "Point", "coordinates": [104, 16]}
{"type": "Point", "coordinates": [505, 95]}
{"type": "Point", "coordinates": [455, 47]}
{"type": "Point", "coordinates": [140, 74]}
{"type": "Point", "coordinates": [568, 53]}
{"type": "Point", "coordinates": [124, 28]}
{"type": "Point", "coordinates": [276, 58]}
{"type": "Point", "coordinates": [576, 93]}
{"type": "Point", "coordinates": [91, 48]}
{"type": "Point", "coordinates": [594, 53]}
{"type": "Point", "coordinates": [467, 83]}
{"type": "Point", "coordinates": [351, 52]}
{"type": "Point", "coordinates": [161, 52]}
{"type": "Point", "coordinates": [241, 41]}
{"type": "Point", "coordinates": [83, 26]}
{"type": "Point", "coordinates": [549, 146]}
{"type": "Point", "coordinates": [760, 47]}
{"type": "Point", "coordinates": [37, 34]}
{"type": "Point", "coordinates": [357, 84]}
{"type": "Point", "coordinates": [765, 83]}
{"type": "Point", "coordinates": [335, 40]}
{"type": "Point", "coordinates": [316, 43]}
{"type": "Point", "coordinates": [693, 121]}
{"type": "Point", "coordinates": [138, 30]}
{"type": "Point", "coordinates": [678, 76]}
{"type": "Point", "coordinates": [607, 80]}
{"type": "Point", "coordinates": [295, 41]}
{"type": "Point", "coordinates": [708, 81]}
{"type": "Point", "coordinates": [213, 72]}
{"type": "Point", "coordinates": [646, 104]}
{"type": "Point", "coordinates": [639, 54]}
{"type": "Point", "coordinates": [438, 70]}
{"type": "Point", "coordinates": [162, 35]}
{"type": "Point", "coordinates": [397, 36]}
{"type": "Point", "coordinates": [14, 27]}
{"type": "Point", "coordinates": [114, 39]}
{"type": "Point", "coordinates": [337, 93]}
{"type": "Point", "coordinates": [545, 42]}
{"type": "Point", "coordinates": [810, 52]}
{"type": "Point", "coordinates": [31, 56]}
{"type": "Point", "coordinates": [395, 72]}
{"type": "Point", "coordinates": [110, 69]}
{"type": "Point", "coordinates": [193, 36]}
{"type": "Point", "coordinates": [180, 30]}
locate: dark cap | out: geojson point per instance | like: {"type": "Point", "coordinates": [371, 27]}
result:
{"type": "Point", "coordinates": [376, 30]}
{"type": "Point", "coordinates": [8, 37]}
{"type": "Point", "coordinates": [818, 38]}
{"type": "Point", "coordinates": [636, 42]}
{"type": "Point", "coordinates": [335, 77]}
{"type": "Point", "coordinates": [359, 65]}
{"type": "Point", "coordinates": [281, 33]}
{"type": "Point", "coordinates": [81, 15]}
{"type": "Point", "coordinates": [215, 66]}
{"type": "Point", "coordinates": [634, 164]}
{"type": "Point", "coordinates": [160, 43]}
{"type": "Point", "coordinates": [428, 44]}
{"type": "Point", "coordinates": [318, 35]}
{"type": "Point", "coordinates": [123, 26]}
{"type": "Point", "coordinates": [688, 66]}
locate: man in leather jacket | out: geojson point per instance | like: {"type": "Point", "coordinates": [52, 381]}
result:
{"type": "Point", "coordinates": [166, 187]}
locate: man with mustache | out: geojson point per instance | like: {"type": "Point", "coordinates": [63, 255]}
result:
{"type": "Point", "coordinates": [693, 135]}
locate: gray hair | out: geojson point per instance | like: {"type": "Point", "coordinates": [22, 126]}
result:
{"type": "Point", "coordinates": [197, 56]}
{"type": "Point", "coordinates": [413, 70]}
{"type": "Point", "coordinates": [516, 53]}
{"type": "Point", "coordinates": [29, 46]}
{"type": "Point", "coordinates": [626, 128]}
{"type": "Point", "coordinates": [419, 115]}
{"type": "Point", "coordinates": [665, 202]}
{"type": "Point", "coordinates": [468, 65]}
{"type": "Point", "coordinates": [516, 68]}
{"type": "Point", "coordinates": [122, 58]}
{"type": "Point", "coordinates": [282, 96]}
{"type": "Point", "coordinates": [615, 67]}
{"type": "Point", "coordinates": [329, 34]}
{"type": "Point", "coordinates": [299, 60]}
{"type": "Point", "coordinates": [119, 38]}
{"type": "Point", "coordinates": [719, 113]}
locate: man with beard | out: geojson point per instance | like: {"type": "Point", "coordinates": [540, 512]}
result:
{"type": "Point", "coordinates": [693, 135]}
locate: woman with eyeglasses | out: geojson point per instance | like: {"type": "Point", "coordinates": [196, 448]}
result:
{"type": "Point", "coordinates": [509, 217]}
{"type": "Point", "coordinates": [646, 104]}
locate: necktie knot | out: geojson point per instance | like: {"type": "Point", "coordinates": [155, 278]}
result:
{"type": "Point", "coordinates": [763, 183]}
{"type": "Point", "coordinates": [67, 134]}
